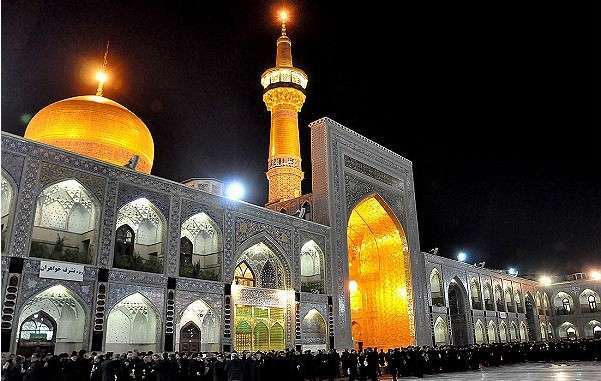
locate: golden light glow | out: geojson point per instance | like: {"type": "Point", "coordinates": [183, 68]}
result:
{"type": "Point", "coordinates": [596, 275]}
{"type": "Point", "coordinates": [381, 305]}
{"type": "Point", "coordinates": [545, 280]}
{"type": "Point", "coordinates": [283, 15]}
{"type": "Point", "coordinates": [96, 127]}
{"type": "Point", "coordinates": [101, 77]}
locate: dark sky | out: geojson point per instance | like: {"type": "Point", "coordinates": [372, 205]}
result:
{"type": "Point", "coordinates": [496, 104]}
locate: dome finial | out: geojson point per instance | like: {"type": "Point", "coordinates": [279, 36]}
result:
{"type": "Point", "coordinates": [101, 75]}
{"type": "Point", "coordinates": [283, 16]}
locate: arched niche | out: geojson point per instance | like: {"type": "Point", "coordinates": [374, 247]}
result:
{"type": "Point", "coordinates": [441, 332]}
{"type": "Point", "coordinates": [201, 248]}
{"type": "Point", "coordinates": [63, 311]}
{"type": "Point", "coordinates": [458, 311]}
{"type": "Point", "coordinates": [568, 330]}
{"type": "Point", "coordinates": [202, 316]}
{"type": "Point", "coordinates": [9, 196]}
{"type": "Point", "coordinates": [563, 303]}
{"type": "Point", "coordinates": [312, 268]}
{"type": "Point", "coordinates": [476, 296]}
{"type": "Point", "coordinates": [65, 224]}
{"type": "Point", "coordinates": [314, 331]}
{"type": "Point", "coordinates": [589, 301]}
{"type": "Point", "coordinates": [132, 324]}
{"type": "Point", "coordinates": [492, 332]}
{"type": "Point", "coordinates": [261, 263]}
{"type": "Point", "coordinates": [379, 275]}
{"type": "Point", "coordinates": [436, 288]}
{"type": "Point", "coordinates": [479, 333]}
{"type": "Point", "coordinates": [145, 251]}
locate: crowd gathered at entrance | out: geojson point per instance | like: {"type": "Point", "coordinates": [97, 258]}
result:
{"type": "Point", "coordinates": [369, 364]}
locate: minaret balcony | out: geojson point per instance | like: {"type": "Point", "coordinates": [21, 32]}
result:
{"type": "Point", "coordinates": [284, 76]}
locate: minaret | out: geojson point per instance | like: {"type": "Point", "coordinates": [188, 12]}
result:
{"type": "Point", "coordinates": [284, 94]}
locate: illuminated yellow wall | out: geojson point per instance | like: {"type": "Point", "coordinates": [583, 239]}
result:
{"type": "Point", "coordinates": [380, 277]}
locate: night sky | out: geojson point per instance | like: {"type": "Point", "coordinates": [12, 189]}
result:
{"type": "Point", "coordinates": [496, 104]}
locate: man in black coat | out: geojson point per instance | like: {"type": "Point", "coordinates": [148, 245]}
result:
{"type": "Point", "coordinates": [234, 369]}
{"type": "Point", "coordinates": [35, 370]}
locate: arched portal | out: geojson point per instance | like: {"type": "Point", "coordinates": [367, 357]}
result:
{"type": "Point", "coordinates": [457, 311]}
{"type": "Point", "coordinates": [593, 329]}
{"type": "Point", "coordinates": [132, 325]}
{"type": "Point", "coordinates": [379, 276]}
{"type": "Point", "coordinates": [313, 331]}
{"type": "Point", "coordinates": [60, 318]}
{"type": "Point", "coordinates": [503, 332]}
{"type": "Point", "coordinates": [568, 331]}
{"type": "Point", "coordinates": [204, 318]}
{"type": "Point", "coordinates": [189, 338]}
{"type": "Point", "coordinates": [436, 288]}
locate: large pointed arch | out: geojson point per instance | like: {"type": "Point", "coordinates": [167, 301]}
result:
{"type": "Point", "coordinates": [380, 272]}
{"type": "Point", "coordinates": [133, 323]}
{"type": "Point", "coordinates": [458, 311]}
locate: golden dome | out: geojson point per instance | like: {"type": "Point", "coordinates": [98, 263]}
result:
{"type": "Point", "coordinates": [96, 127]}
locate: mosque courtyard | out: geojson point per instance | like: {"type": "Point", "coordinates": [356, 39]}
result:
{"type": "Point", "coordinates": [560, 371]}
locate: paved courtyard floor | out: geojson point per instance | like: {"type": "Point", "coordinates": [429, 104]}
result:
{"type": "Point", "coordinates": [565, 371]}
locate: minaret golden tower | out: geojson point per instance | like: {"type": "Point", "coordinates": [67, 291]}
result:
{"type": "Point", "coordinates": [284, 95]}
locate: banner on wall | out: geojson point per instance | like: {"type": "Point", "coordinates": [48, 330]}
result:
{"type": "Point", "coordinates": [61, 270]}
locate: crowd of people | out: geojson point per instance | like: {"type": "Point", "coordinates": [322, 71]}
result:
{"type": "Point", "coordinates": [369, 364]}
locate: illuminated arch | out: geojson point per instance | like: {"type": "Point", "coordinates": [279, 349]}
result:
{"type": "Point", "coordinates": [66, 311]}
{"type": "Point", "coordinates": [513, 332]}
{"type": "Point", "coordinates": [65, 223]}
{"type": "Point", "coordinates": [149, 227]}
{"type": "Point", "coordinates": [312, 261]}
{"type": "Point", "coordinates": [314, 331]}
{"type": "Point", "coordinates": [563, 303]}
{"type": "Point", "coordinates": [9, 195]}
{"type": "Point", "coordinates": [567, 330]}
{"type": "Point", "coordinates": [436, 288]}
{"type": "Point", "coordinates": [200, 314]}
{"type": "Point", "coordinates": [200, 248]}
{"type": "Point", "coordinates": [503, 332]}
{"type": "Point", "coordinates": [489, 303]}
{"type": "Point", "coordinates": [255, 250]}
{"type": "Point", "coordinates": [492, 332]}
{"type": "Point", "coordinates": [523, 332]}
{"type": "Point", "coordinates": [589, 301]}
{"type": "Point", "coordinates": [593, 329]}
{"type": "Point", "coordinates": [479, 334]}
{"type": "Point", "coordinates": [267, 269]}
{"type": "Point", "coordinates": [476, 296]}
{"type": "Point", "coordinates": [379, 267]}
{"type": "Point", "coordinates": [132, 324]}
{"type": "Point", "coordinates": [441, 332]}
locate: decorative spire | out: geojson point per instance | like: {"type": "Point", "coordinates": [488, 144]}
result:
{"type": "Point", "coordinates": [283, 56]}
{"type": "Point", "coordinates": [283, 18]}
{"type": "Point", "coordinates": [101, 75]}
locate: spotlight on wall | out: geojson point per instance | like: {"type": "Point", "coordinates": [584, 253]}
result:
{"type": "Point", "coordinates": [235, 190]}
{"type": "Point", "coordinates": [461, 256]}
{"type": "Point", "coordinates": [596, 275]}
{"type": "Point", "coordinates": [512, 271]}
{"type": "Point", "coordinates": [545, 280]}
{"type": "Point", "coordinates": [352, 286]}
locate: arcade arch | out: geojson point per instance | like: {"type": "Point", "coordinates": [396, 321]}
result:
{"type": "Point", "coordinates": [132, 324]}
{"type": "Point", "coordinates": [65, 223]}
{"type": "Point", "coordinates": [53, 320]}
